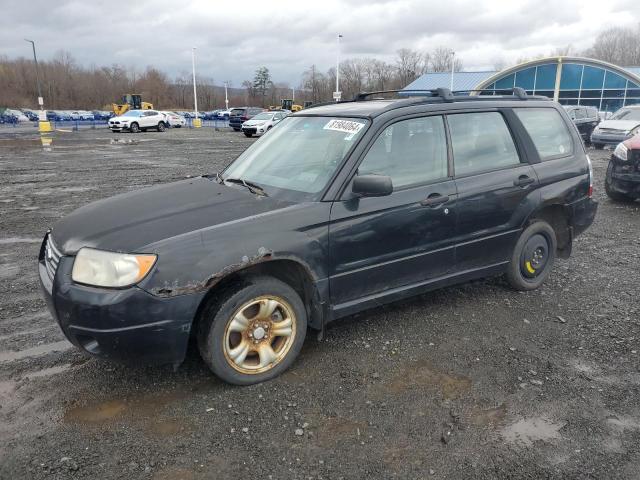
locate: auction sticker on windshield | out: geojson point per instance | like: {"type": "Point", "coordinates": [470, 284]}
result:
{"type": "Point", "coordinates": [346, 126]}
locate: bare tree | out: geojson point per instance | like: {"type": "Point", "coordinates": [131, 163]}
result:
{"type": "Point", "coordinates": [440, 60]}
{"type": "Point", "coordinates": [409, 65]}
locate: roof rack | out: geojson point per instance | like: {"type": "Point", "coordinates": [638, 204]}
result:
{"type": "Point", "coordinates": [443, 93]}
{"type": "Point", "coordinates": [515, 91]}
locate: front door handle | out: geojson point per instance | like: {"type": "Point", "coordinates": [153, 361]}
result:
{"type": "Point", "coordinates": [523, 181]}
{"type": "Point", "coordinates": [434, 200]}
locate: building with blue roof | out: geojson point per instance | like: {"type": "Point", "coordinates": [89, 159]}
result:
{"type": "Point", "coordinates": [568, 80]}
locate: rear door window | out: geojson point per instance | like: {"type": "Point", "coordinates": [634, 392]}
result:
{"type": "Point", "coordinates": [547, 130]}
{"type": "Point", "coordinates": [481, 142]}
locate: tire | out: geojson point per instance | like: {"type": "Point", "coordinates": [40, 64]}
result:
{"type": "Point", "coordinates": [247, 134]}
{"type": "Point", "coordinates": [161, 127]}
{"type": "Point", "coordinates": [178, 126]}
{"type": "Point", "coordinates": [134, 127]}
{"type": "Point", "coordinates": [236, 129]}
{"type": "Point", "coordinates": [220, 335]}
{"type": "Point", "coordinates": [608, 188]}
{"type": "Point", "coordinates": [598, 146]}
{"type": "Point", "coordinates": [533, 257]}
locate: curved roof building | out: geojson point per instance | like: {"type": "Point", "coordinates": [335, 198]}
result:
{"type": "Point", "coordinates": [568, 80]}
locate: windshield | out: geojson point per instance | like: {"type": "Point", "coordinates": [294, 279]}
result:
{"type": "Point", "coordinates": [296, 160]}
{"type": "Point", "coordinates": [263, 116]}
{"type": "Point", "coordinates": [132, 113]}
{"type": "Point", "coordinates": [626, 114]}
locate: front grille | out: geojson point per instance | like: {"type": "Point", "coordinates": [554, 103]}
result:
{"type": "Point", "coordinates": [51, 257]}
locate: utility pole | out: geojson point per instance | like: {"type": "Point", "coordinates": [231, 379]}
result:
{"type": "Point", "coordinates": [196, 120]}
{"type": "Point", "coordinates": [453, 66]}
{"type": "Point", "coordinates": [43, 124]}
{"type": "Point", "coordinates": [337, 95]}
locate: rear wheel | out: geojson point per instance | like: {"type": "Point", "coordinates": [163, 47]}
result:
{"type": "Point", "coordinates": [533, 256]}
{"type": "Point", "coordinates": [134, 127]}
{"type": "Point", "coordinates": [161, 127]}
{"type": "Point", "coordinates": [254, 333]}
{"type": "Point", "coordinates": [236, 129]}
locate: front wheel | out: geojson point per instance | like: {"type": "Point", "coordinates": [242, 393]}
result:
{"type": "Point", "coordinates": [236, 129]}
{"type": "Point", "coordinates": [598, 146]}
{"type": "Point", "coordinates": [134, 127]}
{"type": "Point", "coordinates": [254, 333]}
{"type": "Point", "coordinates": [161, 127]}
{"type": "Point", "coordinates": [533, 256]}
{"type": "Point", "coordinates": [247, 134]}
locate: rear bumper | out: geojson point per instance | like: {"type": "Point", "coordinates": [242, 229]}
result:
{"type": "Point", "coordinates": [583, 212]}
{"type": "Point", "coordinates": [128, 325]}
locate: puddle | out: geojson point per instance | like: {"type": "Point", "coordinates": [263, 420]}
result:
{"type": "Point", "coordinates": [96, 413]}
{"type": "Point", "coordinates": [623, 423]}
{"type": "Point", "coordinates": [61, 346]}
{"type": "Point", "coordinates": [9, 240]}
{"type": "Point", "coordinates": [331, 430]}
{"type": "Point", "coordinates": [488, 417]}
{"type": "Point", "coordinates": [529, 430]}
{"type": "Point", "coordinates": [421, 375]}
{"type": "Point", "coordinates": [144, 410]}
{"type": "Point", "coordinates": [46, 372]}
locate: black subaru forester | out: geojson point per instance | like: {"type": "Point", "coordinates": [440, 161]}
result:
{"type": "Point", "coordinates": [339, 208]}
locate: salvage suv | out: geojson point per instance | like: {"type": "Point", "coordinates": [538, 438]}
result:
{"type": "Point", "coordinates": [341, 208]}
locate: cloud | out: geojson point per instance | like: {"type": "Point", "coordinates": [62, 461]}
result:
{"type": "Point", "coordinates": [233, 38]}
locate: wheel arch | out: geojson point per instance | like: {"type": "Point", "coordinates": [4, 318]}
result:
{"type": "Point", "coordinates": [559, 217]}
{"type": "Point", "coordinates": [290, 271]}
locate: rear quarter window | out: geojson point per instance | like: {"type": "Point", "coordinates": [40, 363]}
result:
{"type": "Point", "coordinates": [548, 131]}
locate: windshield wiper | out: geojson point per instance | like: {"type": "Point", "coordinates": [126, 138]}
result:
{"type": "Point", "coordinates": [253, 187]}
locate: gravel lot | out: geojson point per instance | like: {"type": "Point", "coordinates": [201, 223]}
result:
{"type": "Point", "coordinates": [475, 381]}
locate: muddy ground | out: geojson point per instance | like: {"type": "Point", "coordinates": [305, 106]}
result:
{"type": "Point", "coordinates": [475, 381]}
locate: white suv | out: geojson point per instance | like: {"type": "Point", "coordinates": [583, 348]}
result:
{"type": "Point", "coordinates": [138, 120]}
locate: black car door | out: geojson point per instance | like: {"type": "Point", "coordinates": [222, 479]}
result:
{"type": "Point", "coordinates": [493, 187]}
{"type": "Point", "coordinates": [382, 244]}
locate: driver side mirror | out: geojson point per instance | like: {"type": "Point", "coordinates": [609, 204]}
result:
{"type": "Point", "coordinates": [372, 185]}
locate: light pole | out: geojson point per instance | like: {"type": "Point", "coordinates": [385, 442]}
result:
{"type": "Point", "coordinates": [293, 95]}
{"type": "Point", "coordinates": [337, 94]}
{"type": "Point", "coordinates": [453, 66]}
{"type": "Point", "coordinates": [226, 97]}
{"type": "Point", "coordinates": [43, 124]}
{"type": "Point", "coordinates": [196, 120]}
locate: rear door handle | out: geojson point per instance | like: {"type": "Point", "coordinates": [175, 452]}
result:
{"type": "Point", "coordinates": [434, 200]}
{"type": "Point", "coordinates": [523, 181]}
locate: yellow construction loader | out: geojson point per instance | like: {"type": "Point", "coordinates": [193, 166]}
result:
{"type": "Point", "coordinates": [131, 101]}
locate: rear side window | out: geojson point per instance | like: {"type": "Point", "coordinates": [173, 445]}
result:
{"type": "Point", "coordinates": [481, 142]}
{"type": "Point", "coordinates": [236, 112]}
{"type": "Point", "coordinates": [547, 130]}
{"type": "Point", "coordinates": [411, 152]}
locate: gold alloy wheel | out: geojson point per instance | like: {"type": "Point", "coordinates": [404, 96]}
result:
{"type": "Point", "coordinates": [259, 334]}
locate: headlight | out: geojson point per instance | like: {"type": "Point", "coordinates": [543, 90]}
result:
{"type": "Point", "coordinates": [621, 152]}
{"type": "Point", "coordinates": [109, 269]}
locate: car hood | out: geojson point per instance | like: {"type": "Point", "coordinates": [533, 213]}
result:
{"type": "Point", "coordinates": [130, 221]}
{"type": "Point", "coordinates": [622, 125]}
{"type": "Point", "coordinates": [122, 118]}
{"type": "Point", "coordinates": [255, 123]}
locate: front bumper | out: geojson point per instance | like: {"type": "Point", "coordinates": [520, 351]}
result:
{"type": "Point", "coordinates": [583, 212]}
{"type": "Point", "coordinates": [128, 325]}
{"type": "Point", "coordinates": [608, 138]}
{"type": "Point", "coordinates": [624, 177]}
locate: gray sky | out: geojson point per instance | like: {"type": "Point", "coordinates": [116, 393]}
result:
{"type": "Point", "coordinates": [235, 37]}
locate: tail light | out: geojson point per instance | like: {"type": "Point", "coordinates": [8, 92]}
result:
{"type": "Point", "coordinates": [244, 118]}
{"type": "Point", "coordinates": [590, 191]}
